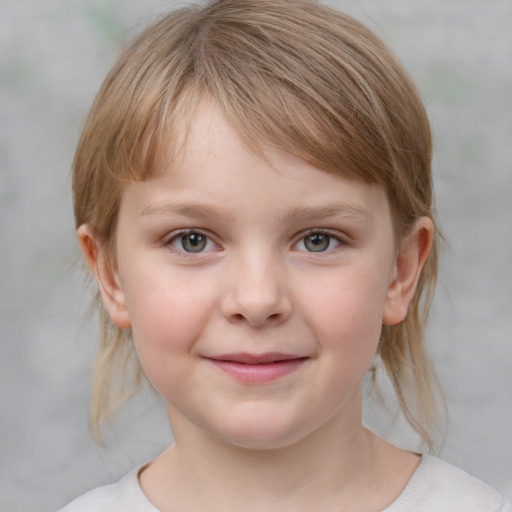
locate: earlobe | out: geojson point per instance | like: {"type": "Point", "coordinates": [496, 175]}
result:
{"type": "Point", "coordinates": [106, 276]}
{"type": "Point", "coordinates": [409, 263]}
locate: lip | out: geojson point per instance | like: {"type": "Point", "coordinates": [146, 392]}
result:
{"type": "Point", "coordinates": [255, 368]}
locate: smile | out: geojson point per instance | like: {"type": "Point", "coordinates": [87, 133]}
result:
{"type": "Point", "coordinates": [257, 367]}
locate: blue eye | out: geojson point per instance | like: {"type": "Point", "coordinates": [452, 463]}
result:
{"type": "Point", "coordinates": [192, 242]}
{"type": "Point", "coordinates": [318, 242]}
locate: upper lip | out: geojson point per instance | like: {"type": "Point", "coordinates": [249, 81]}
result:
{"type": "Point", "coordinates": [249, 358]}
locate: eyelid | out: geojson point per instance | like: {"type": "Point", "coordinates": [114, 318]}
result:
{"type": "Point", "coordinates": [323, 231]}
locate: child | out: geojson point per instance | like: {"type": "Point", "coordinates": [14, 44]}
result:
{"type": "Point", "coordinates": [253, 196]}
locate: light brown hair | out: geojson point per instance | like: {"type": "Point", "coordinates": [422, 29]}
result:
{"type": "Point", "coordinates": [292, 74]}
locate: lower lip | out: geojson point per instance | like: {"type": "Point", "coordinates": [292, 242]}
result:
{"type": "Point", "coordinates": [259, 372]}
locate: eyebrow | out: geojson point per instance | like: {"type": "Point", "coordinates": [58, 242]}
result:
{"type": "Point", "coordinates": [191, 210]}
{"type": "Point", "coordinates": [299, 213]}
{"type": "Point", "coordinates": [305, 213]}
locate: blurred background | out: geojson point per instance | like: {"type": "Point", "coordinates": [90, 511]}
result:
{"type": "Point", "coordinates": [53, 57]}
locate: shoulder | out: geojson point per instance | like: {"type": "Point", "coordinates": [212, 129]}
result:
{"type": "Point", "coordinates": [125, 495]}
{"type": "Point", "coordinates": [437, 485]}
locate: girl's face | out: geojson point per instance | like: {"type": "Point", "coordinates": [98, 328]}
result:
{"type": "Point", "coordinates": [255, 288]}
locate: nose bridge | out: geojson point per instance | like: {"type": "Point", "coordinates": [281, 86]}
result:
{"type": "Point", "coordinates": [258, 290]}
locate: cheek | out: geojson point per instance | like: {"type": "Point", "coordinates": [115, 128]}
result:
{"type": "Point", "coordinates": [345, 310]}
{"type": "Point", "coordinates": [168, 315]}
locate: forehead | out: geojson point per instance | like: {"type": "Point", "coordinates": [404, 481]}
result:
{"type": "Point", "coordinates": [215, 169]}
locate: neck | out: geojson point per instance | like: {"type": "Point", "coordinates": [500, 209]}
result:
{"type": "Point", "coordinates": [317, 462]}
{"type": "Point", "coordinates": [335, 465]}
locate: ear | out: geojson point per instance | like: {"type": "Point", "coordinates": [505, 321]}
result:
{"type": "Point", "coordinates": [106, 275]}
{"type": "Point", "coordinates": [412, 254]}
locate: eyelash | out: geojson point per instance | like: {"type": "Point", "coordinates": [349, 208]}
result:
{"type": "Point", "coordinates": [207, 240]}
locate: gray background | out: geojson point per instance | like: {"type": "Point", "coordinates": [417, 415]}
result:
{"type": "Point", "coordinates": [53, 56]}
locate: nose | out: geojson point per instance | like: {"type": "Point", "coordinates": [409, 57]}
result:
{"type": "Point", "coordinates": [257, 292]}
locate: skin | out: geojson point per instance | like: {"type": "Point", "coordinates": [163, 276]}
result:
{"type": "Point", "coordinates": [260, 285]}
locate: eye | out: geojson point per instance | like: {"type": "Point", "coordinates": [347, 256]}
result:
{"type": "Point", "coordinates": [318, 242]}
{"type": "Point", "coordinates": [192, 242]}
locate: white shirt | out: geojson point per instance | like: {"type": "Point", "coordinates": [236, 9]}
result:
{"type": "Point", "coordinates": [435, 486]}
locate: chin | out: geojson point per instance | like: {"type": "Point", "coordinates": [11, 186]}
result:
{"type": "Point", "coordinates": [260, 435]}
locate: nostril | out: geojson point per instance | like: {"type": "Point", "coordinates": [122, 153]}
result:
{"type": "Point", "coordinates": [240, 317]}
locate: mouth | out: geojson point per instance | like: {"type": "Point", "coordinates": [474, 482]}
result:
{"type": "Point", "coordinates": [257, 368]}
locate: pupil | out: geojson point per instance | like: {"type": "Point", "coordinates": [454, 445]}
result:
{"type": "Point", "coordinates": [193, 242]}
{"type": "Point", "coordinates": [317, 243]}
